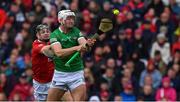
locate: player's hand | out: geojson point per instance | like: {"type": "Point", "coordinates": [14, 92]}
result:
{"type": "Point", "coordinates": [84, 48]}
{"type": "Point", "coordinates": [81, 48]}
{"type": "Point", "coordinates": [90, 42]}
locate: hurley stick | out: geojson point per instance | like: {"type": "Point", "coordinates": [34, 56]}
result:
{"type": "Point", "coordinates": [105, 26]}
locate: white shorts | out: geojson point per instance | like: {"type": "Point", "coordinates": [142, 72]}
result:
{"type": "Point", "coordinates": [67, 80]}
{"type": "Point", "coordinates": [40, 90]}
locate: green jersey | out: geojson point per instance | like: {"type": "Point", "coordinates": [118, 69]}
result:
{"type": "Point", "coordinates": [67, 40]}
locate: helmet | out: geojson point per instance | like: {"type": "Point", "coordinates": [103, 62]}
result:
{"type": "Point", "coordinates": [41, 26]}
{"type": "Point", "coordinates": [63, 14]}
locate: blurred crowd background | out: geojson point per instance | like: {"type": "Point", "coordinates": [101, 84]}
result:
{"type": "Point", "coordinates": [138, 60]}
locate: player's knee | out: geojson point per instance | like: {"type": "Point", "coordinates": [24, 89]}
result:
{"type": "Point", "coordinates": [80, 98]}
{"type": "Point", "coordinates": [83, 97]}
{"type": "Point", "coordinates": [67, 96]}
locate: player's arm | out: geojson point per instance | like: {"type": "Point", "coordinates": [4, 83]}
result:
{"type": "Point", "coordinates": [57, 49]}
{"type": "Point", "coordinates": [82, 41]}
{"type": "Point", "coordinates": [43, 49]}
{"type": "Point", "coordinates": [46, 50]}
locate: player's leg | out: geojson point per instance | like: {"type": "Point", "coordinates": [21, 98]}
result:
{"type": "Point", "coordinates": [57, 88]}
{"type": "Point", "coordinates": [40, 97]}
{"type": "Point", "coordinates": [67, 96]}
{"type": "Point", "coordinates": [40, 90]}
{"type": "Point", "coordinates": [77, 86]}
{"type": "Point", "coordinates": [79, 93]}
{"type": "Point", "coordinates": [55, 94]}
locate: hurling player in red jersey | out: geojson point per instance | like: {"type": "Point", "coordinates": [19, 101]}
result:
{"type": "Point", "coordinates": [42, 65]}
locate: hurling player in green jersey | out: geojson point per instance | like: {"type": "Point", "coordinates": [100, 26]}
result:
{"type": "Point", "coordinates": [65, 41]}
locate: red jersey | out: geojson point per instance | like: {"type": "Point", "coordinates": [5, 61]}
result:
{"type": "Point", "coordinates": [42, 66]}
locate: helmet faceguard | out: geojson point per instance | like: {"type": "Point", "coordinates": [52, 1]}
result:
{"type": "Point", "coordinates": [64, 14]}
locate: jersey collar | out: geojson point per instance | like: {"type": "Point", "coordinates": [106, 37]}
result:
{"type": "Point", "coordinates": [41, 41]}
{"type": "Point", "coordinates": [60, 29]}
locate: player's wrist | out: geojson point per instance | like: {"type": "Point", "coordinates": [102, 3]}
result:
{"type": "Point", "coordinates": [77, 48]}
{"type": "Point", "coordinates": [88, 47]}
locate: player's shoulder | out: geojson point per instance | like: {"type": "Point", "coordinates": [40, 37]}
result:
{"type": "Point", "coordinates": [56, 31]}
{"type": "Point", "coordinates": [38, 43]}
{"type": "Point", "coordinates": [77, 32]}
{"type": "Point", "coordinates": [35, 42]}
